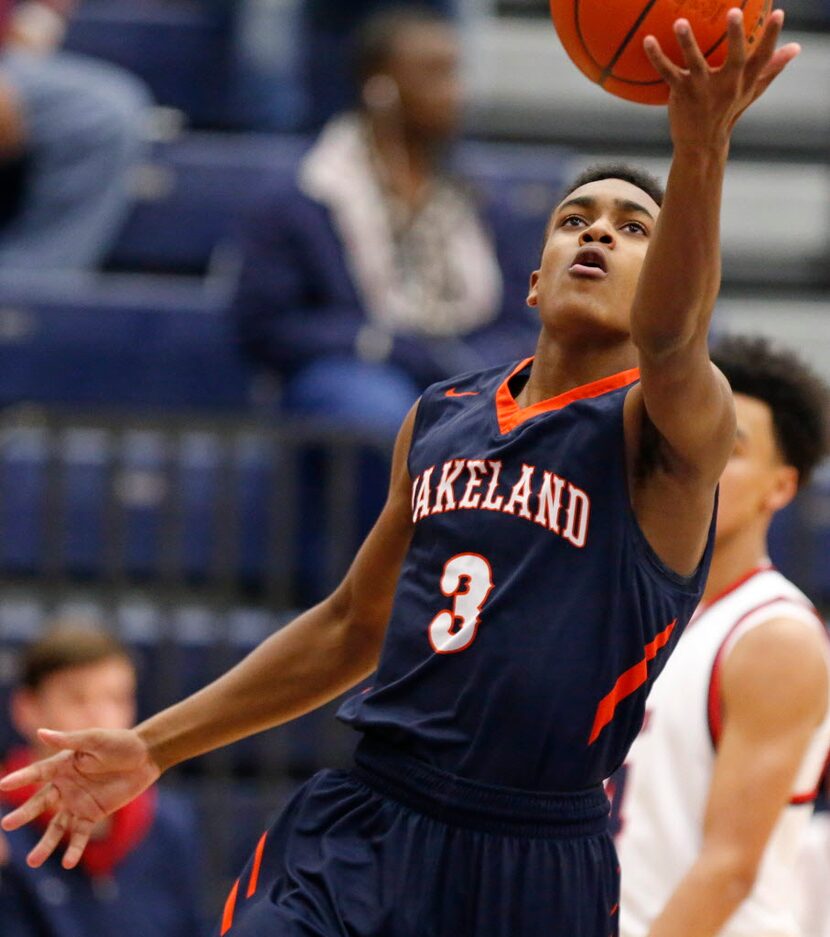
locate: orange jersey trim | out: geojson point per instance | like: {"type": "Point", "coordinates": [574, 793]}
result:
{"type": "Point", "coordinates": [254, 879]}
{"type": "Point", "coordinates": [510, 414]}
{"type": "Point", "coordinates": [628, 682]}
{"type": "Point", "coordinates": [230, 908]}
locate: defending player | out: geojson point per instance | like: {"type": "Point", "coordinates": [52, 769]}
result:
{"type": "Point", "coordinates": [545, 540]}
{"type": "Point", "coordinates": [718, 787]}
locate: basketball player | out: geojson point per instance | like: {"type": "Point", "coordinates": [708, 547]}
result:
{"type": "Point", "coordinates": [718, 788]}
{"type": "Point", "coordinates": [546, 538]}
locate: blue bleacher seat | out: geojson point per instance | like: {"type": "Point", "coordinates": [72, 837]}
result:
{"type": "Point", "coordinates": [24, 454]}
{"type": "Point", "coordinates": [86, 458]}
{"type": "Point", "coordinates": [197, 187]}
{"type": "Point", "coordinates": [193, 191]}
{"type": "Point", "coordinates": [117, 342]}
{"type": "Point", "coordinates": [186, 53]}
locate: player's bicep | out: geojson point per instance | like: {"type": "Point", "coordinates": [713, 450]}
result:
{"type": "Point", "coordinates": [774, 694]}
{"type": "Point", "coordinates": [690, 404]}
{"type": "Point", "coordinates": [366, 593]}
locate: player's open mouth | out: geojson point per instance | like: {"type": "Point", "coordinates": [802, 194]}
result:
{"type": "Point", "coordinates": [589, 262]}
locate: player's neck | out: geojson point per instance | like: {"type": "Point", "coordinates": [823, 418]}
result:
{"type": "Point", "coordinates": [558, 367]}
{"type": "Point", "coordinates": [735, 557]}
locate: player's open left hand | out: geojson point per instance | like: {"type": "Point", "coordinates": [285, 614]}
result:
{"type": "Point", "coordinates": [706, 102]}
{"type": "Point", "coordinates": [93, 774]}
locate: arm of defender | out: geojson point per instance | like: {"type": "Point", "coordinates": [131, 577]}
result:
{"type": "Point", "coordinates": [319, 655]}
{"type": "Point", "coordinates": [774, 694]}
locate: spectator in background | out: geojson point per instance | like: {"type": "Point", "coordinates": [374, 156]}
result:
{"type": "Point", "coordinates": [138, 877]}
{"type": "Point", "coordinates": [328, 26]}
{"type": "Point", "coordinates": [374, 274]}
{"type": "Point", "coordinates": [79, 126]}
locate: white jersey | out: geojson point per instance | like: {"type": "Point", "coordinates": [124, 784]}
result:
{"type": "Point", "coordinates": [662, 790]}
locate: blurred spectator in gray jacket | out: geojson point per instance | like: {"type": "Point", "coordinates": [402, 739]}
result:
{"type": "Point", "coordinates": [78, 127]}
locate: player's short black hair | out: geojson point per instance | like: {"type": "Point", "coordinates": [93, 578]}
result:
{"type": "Point", "coordinates": [373, 42]}
{"type": "Point", "coordinates": [796, 396]}
{"type": "Point", "coordinates": [650, 184]}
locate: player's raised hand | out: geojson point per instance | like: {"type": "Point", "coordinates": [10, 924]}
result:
{"type": "Point", "coordinates": [93, 774]}
{"type": "Point", "coordinates": [706, 102]}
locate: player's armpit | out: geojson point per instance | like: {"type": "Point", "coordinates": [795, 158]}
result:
{"type": "Point", "coordinates": [773, 695]}
{"type": "Point", "coordinates": [679, 432]}
{"type": "Point", "coordinates": [690, 404]}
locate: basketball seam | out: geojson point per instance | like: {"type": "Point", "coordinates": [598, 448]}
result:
{"type": "Point", "coordinates": [607, 72]}
{"type": "Point", "coordinates": [609, 68]}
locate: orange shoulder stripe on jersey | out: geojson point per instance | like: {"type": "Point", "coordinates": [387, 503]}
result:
{"type": "Point", "coordinates": [510, 414]}
{"type": "Point", "coordinates": [230, 908]}
{"type": "Point", "coordinates": [629, 682]}
{"type": "Point", "coordinates": [254, 879]}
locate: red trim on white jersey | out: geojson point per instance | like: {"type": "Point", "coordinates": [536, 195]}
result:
{"type": "Point", "coordinates": [714, 704]}
{"type": "Point", "coordinates": [706, 605]}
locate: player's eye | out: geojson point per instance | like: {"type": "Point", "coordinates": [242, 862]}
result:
{"type": "Point", "coordinates": [635, 227]}
{"type": "Point", "coordinates": [572, 221]}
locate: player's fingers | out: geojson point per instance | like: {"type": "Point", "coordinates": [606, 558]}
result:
{"type": "Point", "coordinates": [37, 773]}
{"type": "Point", "coordinates": [692, 55]}
{"type": "Point", "coordinates": [70, 741]}
{"type": "Point", "coordinates": [45, 799]}
{"type": "Point", "coordinates": [49, 842]}
{"type": "Point", "coordinates": [663, 65]}
{"type": "Point", "coordinates": [77, 843]}
{"type": "Point", "coordinates": [765, 52]}
{"type": "Point", "coordinates": [736, 57]}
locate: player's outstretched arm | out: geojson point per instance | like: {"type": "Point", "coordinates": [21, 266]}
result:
{"type": "Point", "coordinates": [774, 695]}
{"type": "Point", "coordinates": [683, 396]}
{"type": "Point", "coordinates": [312, 660]}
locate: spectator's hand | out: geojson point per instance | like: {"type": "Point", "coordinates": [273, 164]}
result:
{"type": "Point", "coordinates": [94, 774]}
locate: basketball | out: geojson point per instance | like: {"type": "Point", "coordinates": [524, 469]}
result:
{"type": "Point", "coordinates": [605, 40]}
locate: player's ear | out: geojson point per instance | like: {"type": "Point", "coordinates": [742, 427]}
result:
{"type": "Point", "coordinates": [784, 489]}
{"type": "Point", "coordinates": [533, 293]}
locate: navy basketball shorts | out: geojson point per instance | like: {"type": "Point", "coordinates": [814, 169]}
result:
{"type": "Point", "coordinates": [395, 848]}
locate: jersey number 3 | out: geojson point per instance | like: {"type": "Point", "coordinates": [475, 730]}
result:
{"type": "Point", "coordinates": [468, 580]}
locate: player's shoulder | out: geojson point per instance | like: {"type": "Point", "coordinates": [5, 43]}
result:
{"type": "Point", "coordinates": [770, 595]}
{"type": "Point", "coordinates": [777, 626]}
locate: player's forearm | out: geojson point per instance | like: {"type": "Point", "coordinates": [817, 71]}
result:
{"type": "Point", "coordinates": [680, 279]}
{"type": "Point", "coordinates": [304, 665]}
{"type": "Point", "coordinates": [705, 899]}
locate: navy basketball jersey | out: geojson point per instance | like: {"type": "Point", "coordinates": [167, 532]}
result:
{"type": "Point", "coordinates": [531, 616]}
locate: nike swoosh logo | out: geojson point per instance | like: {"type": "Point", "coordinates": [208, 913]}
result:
{"type": "Point", "coordinates": [452, 392]}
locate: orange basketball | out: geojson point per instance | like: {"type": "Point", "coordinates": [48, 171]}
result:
{"type": "Point", "coordinates": [604, 38]}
